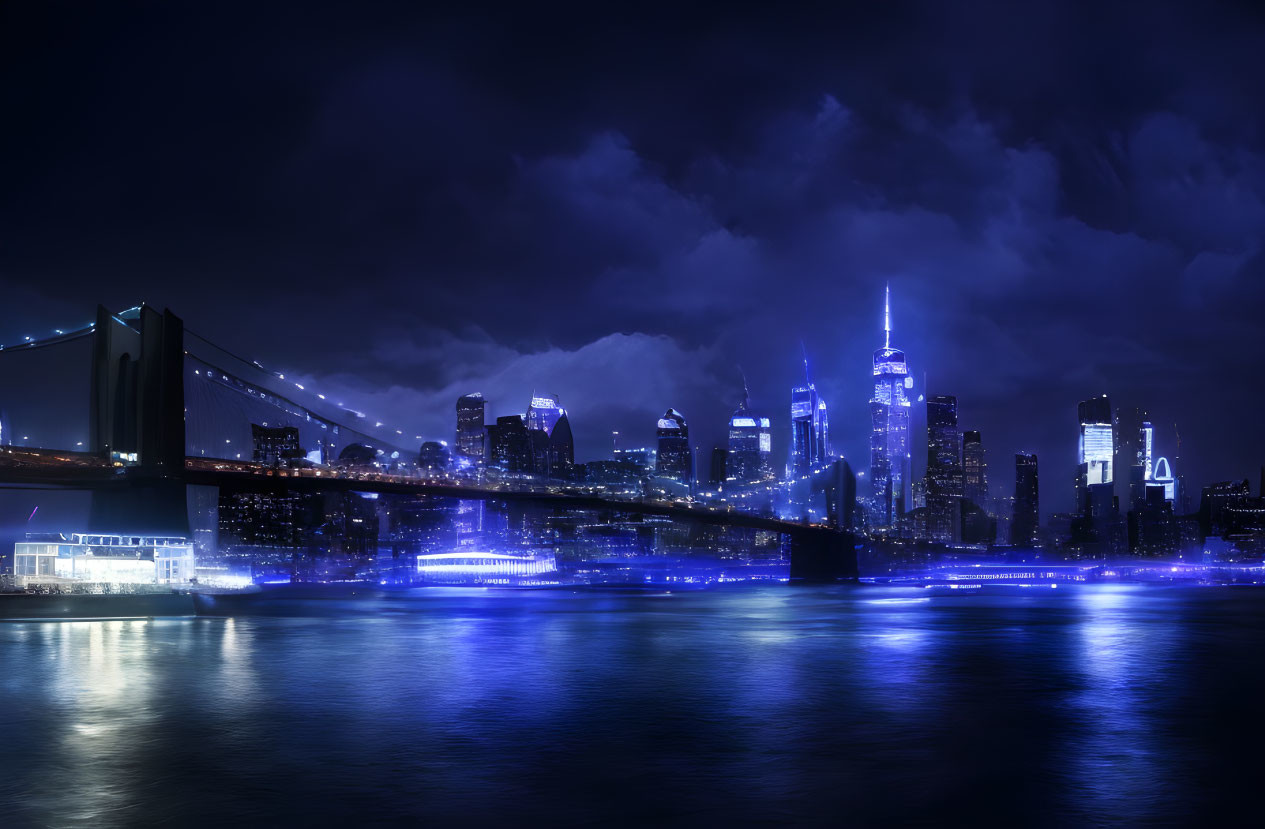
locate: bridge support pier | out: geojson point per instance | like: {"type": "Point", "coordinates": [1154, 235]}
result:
{"type": "Point", "coordinates": [822, 556]}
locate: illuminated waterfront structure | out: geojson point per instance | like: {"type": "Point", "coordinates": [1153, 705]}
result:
{"type": "Point", "coordinates": [481, 567]}
{"type": "Point", "coordinates": [103, 559]}
{"type": "Point", "coordinates": [750, 444]}
{"type": "Point", "coordinates": [944, 469]}
{"type": "Point", "coordinates": [974, 469]}
{"type": "Point", "coordinates": [1027, 510]}
{"type": "Point", "coordinates": [543, 413]}
{"type": "Point", "coordinates": [471, 431]}
{"type": "Point", "coordinates": [889, 438]}
{"type": "Point", "coordinates": [810, 429]}
{"type": "Point", "coordinates": [675, 459]}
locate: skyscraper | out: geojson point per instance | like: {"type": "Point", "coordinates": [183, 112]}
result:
{"type": "Point", "coordinates": [974, 470]}
{"type": "Point", "coordinates": [543, 413]}
{"type": "Point", "coordinates": [1027, 514]}
{"type": "Point", "coordinates": [675, 459]}
{"type": "Point", "coordinates": [1096, 448]}
{"type": "Point", "coordinates": [561, 449]}
{"type": "Point", "coordinates": [471, 434]}
{"type": "Point", "coordinates": [944, 469]}
{"type": "Point", "coordinates": [509, 445]}
{"type": "Point", "coordinates": [889, 439]}
{"type": "Point", "coordinates": [750, 444]}
{"type": "Point", "coordinates": [810, 439]}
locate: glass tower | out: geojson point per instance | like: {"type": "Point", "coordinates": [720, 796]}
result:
{"type": "Point", "coordinates": [944, 469]}
{"type": "Point", "coordinates": [810, 430]}
{"type": "Point", "coordinates": [1096, 452]}
{"type": "Point", "coordinates": [889, 439]}
{"type": "Point", "coordinates": [750, 444]}
{"type": "Point", "coordinates": [675, 460]}
{"type": "Point", "coordinates": [543, 413]}
{"type": "Point", "coordinates": [470, 426]}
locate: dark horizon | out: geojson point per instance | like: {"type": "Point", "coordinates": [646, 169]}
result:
{"type": "Point", "coordinates": [400, 209]}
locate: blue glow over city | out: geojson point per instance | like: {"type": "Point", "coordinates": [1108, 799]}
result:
{"type": "Point", "coordinates": [711, 416]}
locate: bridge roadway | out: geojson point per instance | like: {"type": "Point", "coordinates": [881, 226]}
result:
{"type": "Point", "coordinates": [818, 552]}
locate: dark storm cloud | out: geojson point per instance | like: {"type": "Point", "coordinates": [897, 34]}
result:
{"type": "Point", "coordinates": [1066, 201]}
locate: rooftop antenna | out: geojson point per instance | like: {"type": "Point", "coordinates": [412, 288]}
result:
{"type": "Point", "coordinates": [807, 378]}
{"type": "Point", "coordinates": [887, 317]}
{"type": "Point", "coordinates": [746, 393]}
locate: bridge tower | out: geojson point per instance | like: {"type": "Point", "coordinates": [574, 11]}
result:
{"type": "Point", "coordinates": [137, 419]}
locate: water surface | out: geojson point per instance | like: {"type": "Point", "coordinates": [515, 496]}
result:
{"type": "Point", "coordinates": [853, 704]}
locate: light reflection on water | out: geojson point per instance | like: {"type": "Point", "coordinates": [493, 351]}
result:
{"type": "Point", "coordinates": [859, 704]}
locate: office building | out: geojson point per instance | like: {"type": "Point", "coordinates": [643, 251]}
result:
{"type": "Point", "coordinates": [471, 431]}
{"type": "Point", "coordinates": [974, 470]}
{"type": "Point", "coordinates": [675, 457]}
{"type": "Point", "coordinates": [750, 444]}
{"type": "Point", "coordinates": [889, 437]}
{"type": "Point", "coordinates": [1027, 509]}
{"type": "Point", "coordinates": [944, 469]}
{"type": "Point", "coordinates": [810, 427]}
{"type": "Point", "coordinates": [543, 413]}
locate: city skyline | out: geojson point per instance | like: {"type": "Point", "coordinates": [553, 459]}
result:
{"type": "Point", "coordinates": [408, 229]}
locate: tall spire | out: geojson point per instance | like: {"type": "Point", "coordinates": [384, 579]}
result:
{"type": "Point", "coordinates": [807, 378]}
{"type": "Point", "coordinates": [887, 317]}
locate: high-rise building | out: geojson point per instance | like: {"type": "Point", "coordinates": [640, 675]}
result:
{"type": "Point", "coordinates": [276, 444]}
{"type": "Point", "coordinates": [675, 458]}
{"type": "Point", "coordinates": [561, 449]}
{"type": "Point", "coordinates": [1097, 448]}
{"type": "Point", "coordinates": [889, 438]}
{"type": "Point", "coordinates": [509, 446]}
{"type": "Point", "coordinates": [718, 467]}
{"type": "Point", "coordinates": [974, 470]}
{"type": "Point", "coordinates": [750, 444]}
{"type": "Point", "coordinates": [810, 427]}
{"type": "Point", "coordinates": [944, 469]}
{"type": "Point", "coordinates": [1027, 512]}
{"type": "Point", "coordinates": [543, 413]}
{"type": "Point", "coordinates": [471, 433]}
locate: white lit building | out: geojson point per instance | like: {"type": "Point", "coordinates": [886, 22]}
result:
{"type": "Point", "coordinates": [103, 559]}
{"type": "Point", "coordinates": [467, 567]}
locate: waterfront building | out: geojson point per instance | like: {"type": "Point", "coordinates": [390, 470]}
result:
{"type": "Point", "coordinates": [675, 458]}
{"type": "Point", "coordinates": [643, 459]}
{"type": "Point", "coordinates": [717, 468]}
{"type": "Point", "coordinates": [1027, 508]}
{"type": "Point", "coordinates": [64, 560]}
{"type": "Point", "coordinates": [471, 430]}
{"type": "Point", "coordinates": [810, 427]}
{"type": "Point", "coordinates": [944, 469]}
{"type": "Point", "coordinates": [543, 413]}
{"type": "Point", "coordinates": [889, 437]}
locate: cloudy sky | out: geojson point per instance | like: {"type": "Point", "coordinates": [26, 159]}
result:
{"type": "Point", "coordinates": [632, 209]}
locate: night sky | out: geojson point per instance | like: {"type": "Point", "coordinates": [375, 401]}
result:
{"type": "Point", "coordinates": [630, 210]}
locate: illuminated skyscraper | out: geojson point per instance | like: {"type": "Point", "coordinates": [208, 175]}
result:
{"type": "Point", "coordinates": [543, 413]}
{"type": "Point", "coordinates": [562, 449]}
{"type": "Point", "coordinates": [889, 439]}
{"type": "Point", "coordinates": [1097, 448]}
{"type": "Point", "coordinates": [675, 459]}
{"type": "Point", "coordinates": [750, 444]}
{"type": "Point", "coordinates": [1027, 514]}
{"type": "Point", "coordinates": [471, 435]}
{"type": "Point", "coordinates": [974, 470]}
{"type": "Point", "coordinates": [810, 437]}
{"type": "Point", "coordinates": [944, 469]}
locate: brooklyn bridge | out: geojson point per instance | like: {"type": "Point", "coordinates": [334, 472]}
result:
{"type": "Point", "coordinates": [168, 409]}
